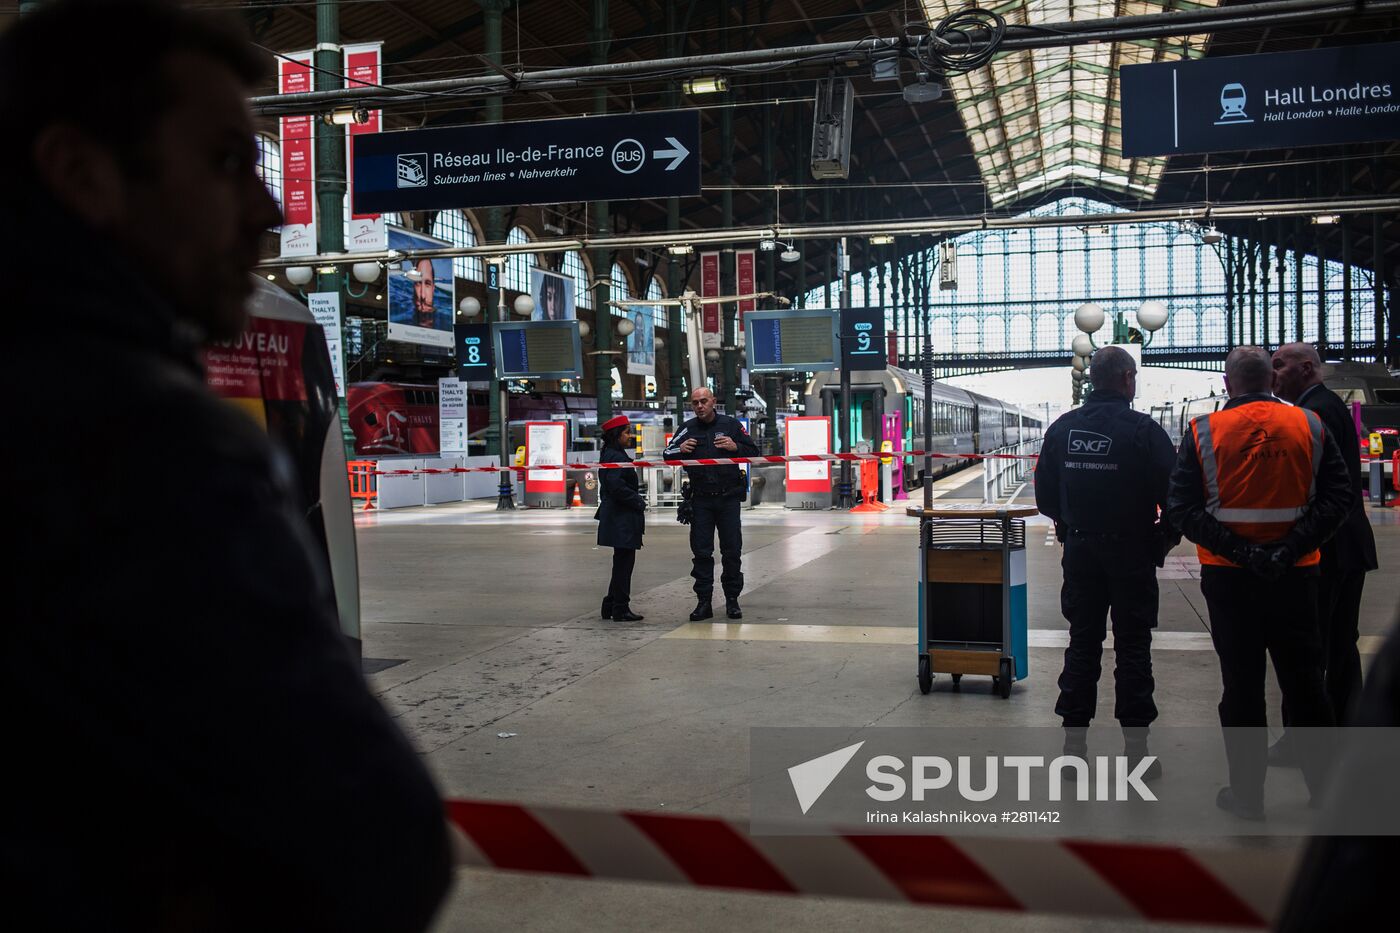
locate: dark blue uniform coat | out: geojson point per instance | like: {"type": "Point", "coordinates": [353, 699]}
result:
{"type": "Point", "coordinates": [621, 522]}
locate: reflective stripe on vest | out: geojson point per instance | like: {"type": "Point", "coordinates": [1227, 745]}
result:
{"type": "Point", "coordinates": [1270, 464]}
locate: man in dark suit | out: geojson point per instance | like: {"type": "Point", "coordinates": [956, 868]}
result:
{"type": "Point", "coordinates": [1345, 558]}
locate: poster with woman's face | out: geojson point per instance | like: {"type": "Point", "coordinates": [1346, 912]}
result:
{"type": "Point", "coordinates": [553, 294]}
{"type": "Point", "coordinates": [422, 293]}
{"type": "Point", "coordinates": [641, 343]}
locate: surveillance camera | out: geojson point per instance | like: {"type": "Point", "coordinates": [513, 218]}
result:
{"type": "Point", "coordinates": [1211, 235]}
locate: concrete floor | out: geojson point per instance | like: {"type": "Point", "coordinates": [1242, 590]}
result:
{"type": "Point", "coordinates": [493, 621]}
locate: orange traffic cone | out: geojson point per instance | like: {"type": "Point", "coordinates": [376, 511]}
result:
{"type": "Point", "coordinates": [578, 499]}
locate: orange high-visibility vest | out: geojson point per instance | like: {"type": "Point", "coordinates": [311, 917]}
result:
{"type": "Point", "coordinates": [1259, 465]}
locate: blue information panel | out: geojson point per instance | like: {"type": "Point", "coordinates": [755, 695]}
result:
{"type": "Point", "coordinates": [538, 350]}
{"type": "Point", "coordinates": [475, 362]}
{"type": "Point", "coordinates": [1276, 100]}
{"type": "Point", "coordinates": [791, 341]}
{"type": "Point", "coordinates": [862, 338]}
{"type": "Point", "coordinates": [634, 155]}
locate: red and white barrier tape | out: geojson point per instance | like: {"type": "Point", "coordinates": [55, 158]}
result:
{"type": "Point", "coordinates": [710, 461]}
{"type": "Point", "coordinates": [1125, 881]}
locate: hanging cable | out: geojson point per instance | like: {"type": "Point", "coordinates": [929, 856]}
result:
{"type": "Point", "coordinates": [962, 42]}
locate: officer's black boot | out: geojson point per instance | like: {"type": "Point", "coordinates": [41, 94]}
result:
{"type": "Point", "coordinates": [731, 608]}
{"type": "Point", "coordinates": [702, 610]}
{"type": "Point", "coordinates": [625, 614]}
{"type": "Point", "coordinates": [607, 607]}
{"type": "Point", "coordinates": [1135, 750]}
{"type": "Point", "coordinates": [1076, 742]}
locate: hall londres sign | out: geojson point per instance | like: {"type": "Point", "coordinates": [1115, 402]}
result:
{"type": "Point", "coordinates": [1273, 101]}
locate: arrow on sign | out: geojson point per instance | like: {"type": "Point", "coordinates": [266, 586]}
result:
{"type": "Point", "coordinates": [676, 153]}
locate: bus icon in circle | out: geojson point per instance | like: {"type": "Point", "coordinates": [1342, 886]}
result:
{"type": "Point", "coordinates": [413, 170]}
{"type": "Point", "coordinates": [628, 156]}
{"type": "Point", "coordinates": [1232, 101]}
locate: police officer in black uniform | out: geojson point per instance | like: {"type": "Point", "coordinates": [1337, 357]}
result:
{"type": "Point", "coordinates": [1102, 477]}
{"type": "Point", "coordinates": [717, 493]}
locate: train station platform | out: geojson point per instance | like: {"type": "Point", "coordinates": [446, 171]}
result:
{"type": "Point", "coordinates": [482, 636]}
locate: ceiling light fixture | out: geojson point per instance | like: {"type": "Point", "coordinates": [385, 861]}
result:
{"type": "Point", "coordinates": [709, 85]}
{"type": "Point", "coordinates": [680, 249]}
{"type": "Point", "coordinates": [346, 116]}
{"type": "Point", "coordinates": [1323, 220]}
{"type": "Point", "coordinates": [881, 239]}
{"type": "Point", "coordinates": [767, 245]}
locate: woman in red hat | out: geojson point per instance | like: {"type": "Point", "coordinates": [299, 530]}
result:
{"type": "Point", "coordinates": [621, 522]}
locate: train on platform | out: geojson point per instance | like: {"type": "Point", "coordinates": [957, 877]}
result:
{"type": "Point", "coordinates": [890, 405]}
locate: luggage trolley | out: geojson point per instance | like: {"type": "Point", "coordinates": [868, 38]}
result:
{"type": "Point", "coordinates": [972, 592]}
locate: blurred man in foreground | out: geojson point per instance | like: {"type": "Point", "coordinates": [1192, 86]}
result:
{"type": "Point", "coordinates": [197, 746]}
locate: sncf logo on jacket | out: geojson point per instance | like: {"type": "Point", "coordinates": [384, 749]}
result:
{"type": "Point", "coordinates": [1089, 443]}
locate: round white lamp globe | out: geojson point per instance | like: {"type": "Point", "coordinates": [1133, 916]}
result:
{"type": "Point", "coordinates": [625, 326]}
{"type": "Point", "coordinates": [469, 307]}
{"type": "Point", "coordinates": [1079, 364]}
{"type": "Point", "coordinates": [524, 305]}
{"type": "Point", "coordinates": [1089, 317]}
{"type": "Point", "coordinates": [1152, 315]}
{"type": "Point", "coordinates": [365, 272]}
{"type": "Point", "coordinates": [300, 275]}
{"type": "Point", "coordinates": [1082, 345]}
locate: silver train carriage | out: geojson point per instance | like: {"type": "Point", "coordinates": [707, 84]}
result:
{"type": "Point", "coordinates": [889, 404]}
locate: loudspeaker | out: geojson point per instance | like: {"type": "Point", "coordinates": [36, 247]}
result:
{"type": "Point", "coordinates": [831, 128]}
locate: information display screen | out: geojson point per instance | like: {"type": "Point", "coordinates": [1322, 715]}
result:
{"type": "Point", "coordinates": [538, 350]}
{"type": "Point", "coordinates": [803, 341]}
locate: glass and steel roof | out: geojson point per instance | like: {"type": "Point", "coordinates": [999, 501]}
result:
{"type": "Point", "coordinates": [1042, 118]}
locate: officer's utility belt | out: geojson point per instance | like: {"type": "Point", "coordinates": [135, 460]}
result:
{"type": "Point", "coordinates": [1108, 535]}
{"type": "Point", "coordinates": [716, 494]}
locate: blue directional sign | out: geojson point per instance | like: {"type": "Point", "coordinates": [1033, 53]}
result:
{"type": "Point", "coordinates": [635, 155]}
{"type": "Point", "coordinates": [863, 338]}
{"type": "Point", "coordinates": [1276, 100]}
{"type": "Point", "coordinates": [475, 361]}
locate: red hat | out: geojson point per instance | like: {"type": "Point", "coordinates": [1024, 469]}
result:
{"type": "Point", "coordinates": [617, 421]}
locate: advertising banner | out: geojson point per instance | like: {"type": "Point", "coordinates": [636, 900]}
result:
{"type": "Point", "coordinates": [422, 293]}
{"type": "Point", "coordinates": [325, 308]}
{"type": "Point", "coordinates": [641, 343]}
{"type": "Point", "coordinates": [554, 296]}
{"type": "Point", "coordinates": [298, 161]}
{"type": "Point", "coordinates": [452, 415]}
{"type": "Point", "coordinates": [1278, 100]}
{"type": "Point", "coordinates": [545, 442]}
{"type": "Point", "coordinates": [709, 288]}
{"type": "Point", "coordinates": [362, 67]}
{"type": "Point", "coordinates": [746, 280]}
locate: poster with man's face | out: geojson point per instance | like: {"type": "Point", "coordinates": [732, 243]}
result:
{"type": "Point", "coordinates": [422, 292]}
{"type": "Point", "coordinates": [641, 343]}
{"type": "Point", "coordinates": [553, 294]}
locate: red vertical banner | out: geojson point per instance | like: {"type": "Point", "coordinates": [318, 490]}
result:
{"type": "Point", "coordinates": [362, 67]}
{"type": "Point", "coordinates": [709, 288]}
{"type": "Point", "coordinates": [746, 278]}
{"type": "Point", "coordinates": [298, 161]}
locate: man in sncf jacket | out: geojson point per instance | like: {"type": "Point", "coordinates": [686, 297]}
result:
{"type": "Point", "coordinates": [1258, 486]}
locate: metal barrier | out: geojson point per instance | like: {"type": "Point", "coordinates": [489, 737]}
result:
{"type": "Point", "coordinates": [1007, 468]}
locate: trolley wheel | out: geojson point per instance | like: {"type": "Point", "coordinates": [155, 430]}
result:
{"type": "Point", "coordinates": [1003, 679]}
{"type": "Point", "coordinates": [957, 681]}
{"type": "Point", "coordinates": [925, 674]}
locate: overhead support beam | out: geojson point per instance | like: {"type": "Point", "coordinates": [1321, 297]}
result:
{"type": "Point", "coordinates": [941, 226]}
{"type": "Point", "coordinates": [824, 56]}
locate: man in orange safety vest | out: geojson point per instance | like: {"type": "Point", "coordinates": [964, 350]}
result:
{"type": "Point", "coordinates": [1258, 486]}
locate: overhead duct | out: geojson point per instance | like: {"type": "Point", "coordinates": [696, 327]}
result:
{"type": "Point", "coordinates": [831, 128]}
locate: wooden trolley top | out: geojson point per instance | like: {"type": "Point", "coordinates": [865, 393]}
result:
{"type": "Point", "coordinates": [971, 510]}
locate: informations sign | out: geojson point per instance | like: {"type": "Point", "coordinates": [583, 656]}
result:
{"type": "Point", "coordinates": [544, 443]}
{"type": "Point", "coordinates": [538, 350]}
{"type": "Point", "coordinates": [785, 341]}
{"type": "Point", "coordinates": [862, 343]}
{"type": "Point", "coordinates": [1272, 101]}
{"type": "Point", "coordinates": [635, 155]}
{"type": "Point", "coordinates": [452, 416]}
{"type": "Point", "coordinates": [325, 308]}
{"type": "Point", "coordinates": [475, 362]}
